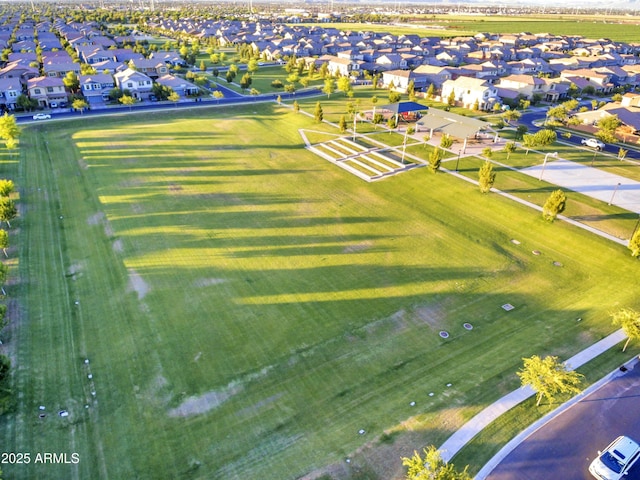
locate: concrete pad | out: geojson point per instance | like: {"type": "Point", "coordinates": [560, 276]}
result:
{"type": "Point", "coordinates": [590, 181]}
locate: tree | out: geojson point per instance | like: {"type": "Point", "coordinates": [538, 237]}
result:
{"type": "Point", "coordinates": [554, 205]}
{"type": "Point", "coordinates": [329, 86]}
{"type": "Point", "coordinates": [622, 153]}
{"type": "Point", "coordinates": [6, 187]}
{"type": "Point", "coordinates": [629, 320]}
{"type": "Point", "coordinates": [548, 377]}
{"type": "Point", "coordinates": [245, 81]}
{"type": "Point", "coordinates": [634, 243]}
{"type": "Point", "coordinates": [510, 147]}
{"type": "Point", "coordinates": [394, 96]}
{"type": "Point", "coordinates": [446, 141]}
{"type": "Point", "coordinates": [391, 123]}
{"type": "Point", "coordinates": [71, 81]}
{"type": "Point", "coordinates": [486, 177]}
{"type": "Point", "coordinates": [432, 466]}
{"type": "Point", "coordinates": [296, 106]}
{"type": "Point", "coordinates": [203, 66]}
{"type": "Point", "coordinates": [318, 114]}
{"type": "Point", "coordinates": [174, 97]}
{"type": "Point", "coordinates": [342, 124]}
{"type": "Point", "coordinates": [411, 90]}
{"type": "Point", "coordinates": [217, 94]}
{"type": "Point", "coordinates": [608, 125]}
{"type": "Point", "coordinates": [4, 241]}
{"type": "Point", "coordinates": [5, 367]}
{"type": "Point", "coordinates": [451, 99]}
{"type": "Point", "coordinates": [79, 104]}
{"type": "Point", "coordinates": [435, 158]}
{"type": "Point", "coordinates": [9, 129]}
{"type": "Point", "coordinates": [344, 85]}
{"type": "Point", "coordinates": [127, 100]}
{"type": "Point", "coordinates": [520, 131]}
{"type": "Point", "coordinates": [8, 210]}
{"type": "Point", "coordinates": [431, 91]}
{"type": "Point", "coordinates": [559, 113]}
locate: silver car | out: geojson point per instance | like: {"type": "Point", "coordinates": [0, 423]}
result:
{"type": "Point", "coordinates": [616, 460]}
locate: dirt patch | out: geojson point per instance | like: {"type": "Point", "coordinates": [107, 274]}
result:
{"type": "Point", "coordinates": [434, 315]}
{"type": "Point", "coordinates": [75, 270]}
{"type": "Point", "coordinates": [358, 247]}
{"type": "Point", "coordinates": [96, 219]}
{"type": "Point", "coordinates": [137, 284]}
{"type": "Point", "coordinates": [206, 282]}
{"type": "Point", "coordinates": [118, 246]}
{"type": "Point", "coordinates": [175, 188]}
{"type": "Point", "coordinates": [203, 403]}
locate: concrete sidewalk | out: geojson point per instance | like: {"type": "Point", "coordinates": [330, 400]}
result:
{"type": "Point", "coordinates": [474, 426]}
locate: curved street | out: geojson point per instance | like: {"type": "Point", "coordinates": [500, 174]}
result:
{"type": "Point", "coordinates": [564, 446]}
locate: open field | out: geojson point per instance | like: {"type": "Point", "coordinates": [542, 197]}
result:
{"type": "Point", "coordinates": [617, 28]}
{"type": "Point", "coordinates": [247, 307]}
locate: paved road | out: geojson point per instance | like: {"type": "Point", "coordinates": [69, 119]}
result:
{"type": "Point", "coordinates": [563, 448]}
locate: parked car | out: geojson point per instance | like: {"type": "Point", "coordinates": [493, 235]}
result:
{"type": "Point", "coordinates": [593, 143]}
{"type": "Point", "coordinates": [41, 116]}
{"type": "Point", "coordinates": [616, 460]}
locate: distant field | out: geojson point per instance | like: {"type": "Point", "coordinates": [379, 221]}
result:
{"type": "Point", "coordinates": [247, 307]}
{"type": "Point", "coordinates": [622, 29]}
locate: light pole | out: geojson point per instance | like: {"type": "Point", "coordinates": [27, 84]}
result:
{"type": "Point", "coordinates": [458, 160]}
{"type": "Point", "coordinates": [614, 193]}
{"type": "Point", "coordinates": [404, 144]}
{"type": "Point", "coordinates": [554, 154]}
{"type": "Point", "coordinates": [355, 116]}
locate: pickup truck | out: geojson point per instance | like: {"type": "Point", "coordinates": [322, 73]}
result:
{"type": "Point", "coordinates": [593, 143]}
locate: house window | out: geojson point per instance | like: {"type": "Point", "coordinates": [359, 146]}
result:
{"type": "Point", "coordinates": [49, 89]}
{"type": "Point", "coordinates": [36, 91]}
{"type": "Point", "coordinates": [129, 85]}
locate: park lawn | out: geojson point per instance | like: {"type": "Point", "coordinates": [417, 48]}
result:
{"type": "Point", "coordinates": [582, 208]}
{"type": "Point", "coordinates": [248, 307]}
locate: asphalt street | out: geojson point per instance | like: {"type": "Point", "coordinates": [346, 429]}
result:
{"type": "Point", "coordinates": [563, 448]}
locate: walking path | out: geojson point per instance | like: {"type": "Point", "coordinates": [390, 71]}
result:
{"type": "Point", "coordinates": [470, 429]}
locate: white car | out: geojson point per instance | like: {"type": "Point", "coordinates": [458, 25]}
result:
{"type": "Point", "coordinates": [593, 143]}
{"type": "Point", "coordinates": [617, 459]}
{"type": "Point", "coordinates": [41, 116]}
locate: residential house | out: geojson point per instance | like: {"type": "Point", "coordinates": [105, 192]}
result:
{"type": "Point", "coordinates": [401, 78]}
{"type": "Point", "coordinates": [151, 67]}
{"type": "Point", "coordinates": [583, 78]}
{"type": "Point", "coordinates": [95, 88]}
{"type": "Point", "coordinates": [525, 85]}
{"type": "Point", "coordinates": [20, 71]}
{"type": "Point", "coordinates": [135, 82]}
{"type": "Point", "coordinates": [61, 69]}
{"type": "Point", "coordinates": [342, 66]}
{"type": "Point", "coordinates": [470, 92]}
{"type": "Point", "coordinates": [179, 85]}
{"type": "Point", "coordinates": [48, 91]}
{"type": "Point", "coordinates": [10, 90]}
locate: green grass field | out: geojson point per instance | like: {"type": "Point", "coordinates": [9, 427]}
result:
{"type": "Point", "coordinates": [247, 307]}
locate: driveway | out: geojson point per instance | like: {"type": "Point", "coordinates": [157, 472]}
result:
{"type": "Point", "coordinates": [564, 447]}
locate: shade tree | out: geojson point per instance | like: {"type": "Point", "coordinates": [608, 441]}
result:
{"type": "Point", "coordinates": [548, 377]}
{"type": "Point", "coordinates": [629, 320]}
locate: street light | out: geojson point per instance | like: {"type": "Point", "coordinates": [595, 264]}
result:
{"type": "Point", "coordinates": [614, 193]}
{"type": "Point", "coordinates": [554, 154]}
{"type": "Point", "coordinates": [458, 161]}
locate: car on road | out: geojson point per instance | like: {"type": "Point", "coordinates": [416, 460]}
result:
{"type": "Point", "coordinates": [41, 116]}
{"type": "Point", "coordinates": [616, 460]}
{"type": "Point", "coordinates": [593, 143]}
